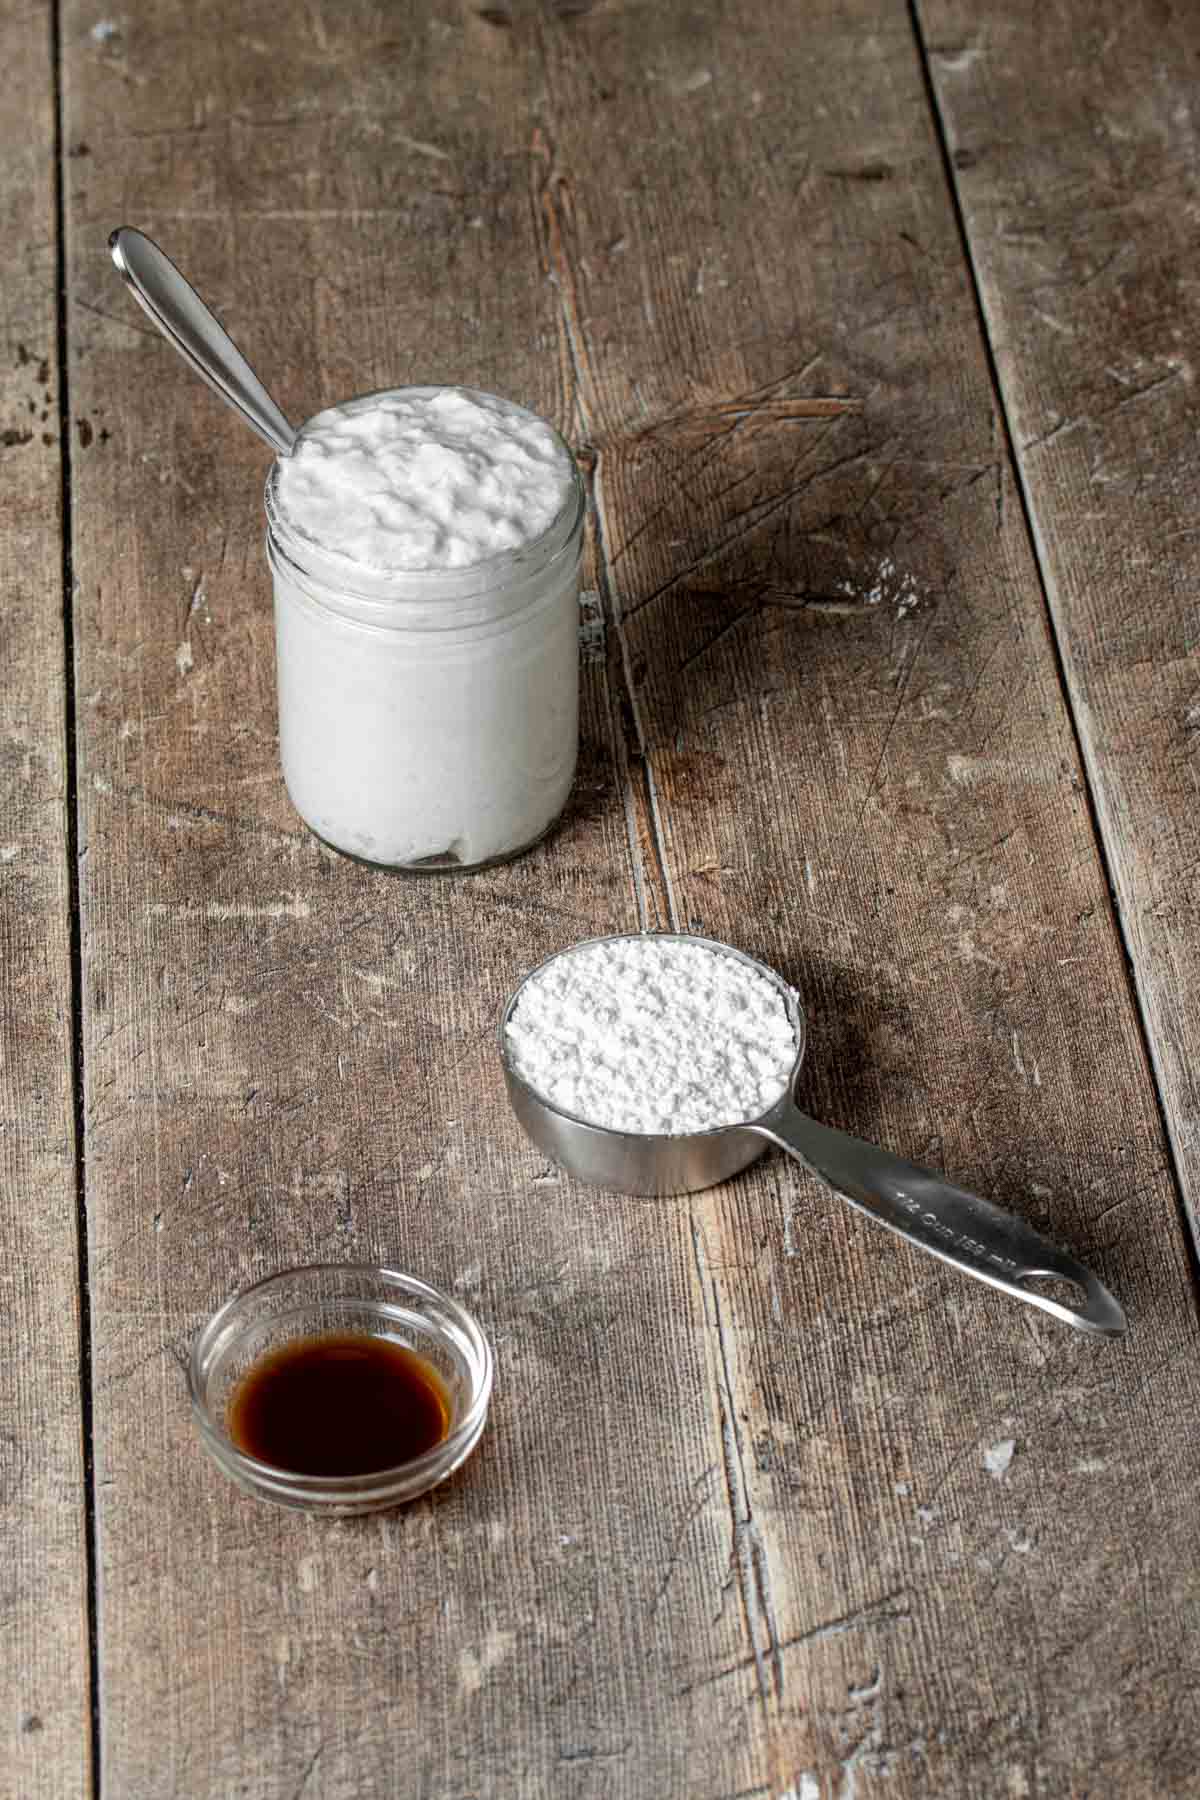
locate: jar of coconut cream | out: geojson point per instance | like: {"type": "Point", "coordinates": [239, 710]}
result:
{"type": "Point", "coordinates": [425, 546]}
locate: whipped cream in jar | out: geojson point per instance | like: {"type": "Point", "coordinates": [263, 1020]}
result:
{"type": "Point", "coordinates": [425, 546]}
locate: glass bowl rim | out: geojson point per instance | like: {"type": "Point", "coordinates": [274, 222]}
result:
{"type": "Point", "coordinates": [340, 1487]}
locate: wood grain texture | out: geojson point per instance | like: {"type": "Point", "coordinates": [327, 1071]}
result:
{"type": "Point", "coordinates": [44, 1667]}
{"type": "Point", "coordinates": [734, 1529]}
{"type": "Point", "coordinates": [289, 1057]}
{"type": "Point", "coordinates": [852, 724]}
{"type": "Point", "coordinates": [1079, 219]}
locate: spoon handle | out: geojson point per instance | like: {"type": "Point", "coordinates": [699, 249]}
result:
{"type": "Point", "coordinates": [186, 322]}
{"type": "Point", "coordinates": [948, 1222]}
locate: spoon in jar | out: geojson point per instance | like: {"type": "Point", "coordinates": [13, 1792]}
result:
{"type": "Point", "coordinates": [184, 320]}
{"type": "Point", "coordinates": [960, 1228]}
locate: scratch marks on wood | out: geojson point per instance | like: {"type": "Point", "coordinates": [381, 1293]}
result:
{"type": "Point", "coordinates": [554, 213]}
{"type": "Point", "coordinates": [743, 523]}
{"type": "Point", "coordinates": [1055, 324]}
{"type": "Point", "coordinates": [115, 319]}
{"type": "Point", "coordinates": [905, 682]}
{"type": "Point", "coordinates": [889, 1610]}
{"type": "Point", "coordinates": [751, 1563]}
{"type": "Point", "coordinates": [421, 148]}
{"type": "Point", "coordinates": [639, 794]}
{"type": "Point", "coordinates": [1135, 394]}
{"type": "Point", "coordinates": [176, 815]}
{"type": "Point", "coordinates": [1060, 428]}
{"type": "Point", "coordinates": [718, 637]}
{"type": "Point", "coordinates": [313, 1760]}
{"type": "Point", "coordinates": [703, 1499]}
{"type": "Point", "coordinates": [293, 907]}
{"type": "Point", "coordinates": [594, 1753]}
{"type": "Point", "coordinates": [956, 58]}
{"type": "Point", "coordinates": [740, 410]}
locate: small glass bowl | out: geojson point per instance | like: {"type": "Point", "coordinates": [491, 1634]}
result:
{"type": "Point", "coordinates": [329, 1298]}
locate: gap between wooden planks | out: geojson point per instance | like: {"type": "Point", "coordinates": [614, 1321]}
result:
{"type": "Point", "coordinates": [45, 1732]}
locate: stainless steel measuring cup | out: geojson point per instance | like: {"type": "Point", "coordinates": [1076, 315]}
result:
{"type": "Point", "coordinates": [960, 1228]}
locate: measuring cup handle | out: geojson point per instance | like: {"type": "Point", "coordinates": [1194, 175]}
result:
{"type": "Point", "coordinates": [948, 1222]}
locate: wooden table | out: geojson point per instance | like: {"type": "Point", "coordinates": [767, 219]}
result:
{"type": "Point", "coordinates": [875, 329]}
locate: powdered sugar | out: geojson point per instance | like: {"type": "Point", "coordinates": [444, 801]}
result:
{"type": "Point", "coordinates": [889, 586]}
{"type": "Point", "coordinates": [653, 1034]}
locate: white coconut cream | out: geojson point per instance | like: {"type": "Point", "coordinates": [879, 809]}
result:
{"type": "Point", "coordinates": [425, 546]}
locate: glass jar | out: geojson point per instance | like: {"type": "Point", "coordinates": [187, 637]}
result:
{"type": "Point", "coordinates": [429, 719]}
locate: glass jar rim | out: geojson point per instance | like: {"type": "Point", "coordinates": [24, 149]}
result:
{"type": "Point", "coordinates": [267, 1476]}
{"type": "Point", "coordinates": [366, 584]}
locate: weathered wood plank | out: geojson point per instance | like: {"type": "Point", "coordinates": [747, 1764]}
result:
{"type": "Point", "coordinates": [1079, 224]}
{"type": "Point", "coordinates": [733, 1531]}
{"type": "Point", "coordinates": [290, 1057]}
{"type": "Point", "coordinates": [44, 1660]}
{"type": "Point", "coordinates": [866, 773]}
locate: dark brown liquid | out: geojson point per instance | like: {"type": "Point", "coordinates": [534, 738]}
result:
{"type": "Point", "coordinates": [339, 1405]}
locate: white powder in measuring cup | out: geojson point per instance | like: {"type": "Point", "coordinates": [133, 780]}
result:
{"type": "Point", "coordinates": [653, 1035]}
{"type": "Point", "coordinates": [438, 478]}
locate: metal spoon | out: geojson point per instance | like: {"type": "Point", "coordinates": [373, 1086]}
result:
{"type": "Point", "coordinates": [959, 1228]}
{"type": "Point", "coordinates": [186, 322]}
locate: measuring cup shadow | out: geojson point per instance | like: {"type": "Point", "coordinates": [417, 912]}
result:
{"type": "Point", "coordinates": [845, 1078]}
{"type": "Point", "coordinates": [842, 1011]}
